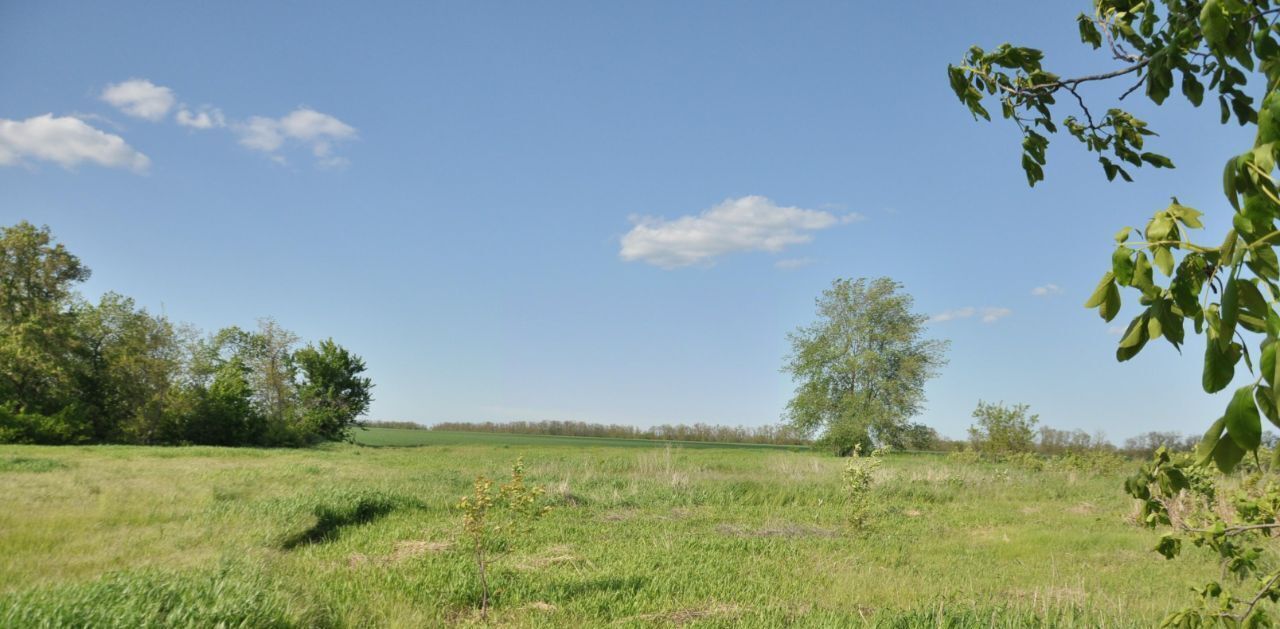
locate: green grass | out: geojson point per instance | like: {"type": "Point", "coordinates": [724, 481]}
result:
{"type": "Point", "coordinates": [408, 437]}
{"type": "Point", "coordinates": [640, 536]}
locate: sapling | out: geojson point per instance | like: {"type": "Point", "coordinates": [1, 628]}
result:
{"type": "Point", "coordinates": [858, 476]}
{"type": "Point", "coordinates": [494, 521]}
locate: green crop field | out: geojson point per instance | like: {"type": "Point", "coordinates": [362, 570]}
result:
{"type": "Point", "coordinates": [410, 437]}
{"type": "Point", "coordinates": [638, 536]}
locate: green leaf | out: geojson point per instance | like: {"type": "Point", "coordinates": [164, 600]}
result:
{"type": "Point", "coordinates": [1204, 450]}
{"type": "Point", "coordinates": [1229, 182]}
{"type": "Point", "coordinates": [1192, 88]}
{"type": "Point", "coordinates": [1134, 339]}
{"type": "Point", "coordinates": [1227, 454]}
{"type": "Point", "coordinates": [1123, 234]}
{"type": "Point", "coordinates": [1110, 304]}
{"type": "Point", "coordinates": [1230, 313]}
{"type": "Point", "coordinates": [1267, 405]}
{"type": "Point", "coordinates": [1122, 265]}
{"type": "Point", "coordinates": [1159, 227]}
{"type": "Point", "coordinates": [1159, 161]}
{"type": "Point", "coordinates": [1187, 216]}
{"type": "Point", "coordinates": [1215, 25]}
{"type": "Point", "coordinates": [1244, 426]}
{"type": "Point", "coordinates": [1100, 292]}
{"type": "Point", "coordinates": [1142, 276]}
{"type": "Point", "coordinates": [1163, 259]}
{"type": "Point", "coordinates": [1219, 365]}
{"type": "Point", "coordinates": [1089, 32]}
{"type": "Point", "coordinates": [1263, 261]}
{"type": "Point", "coordinates": [1186, 285]}
{"type": "Point", "coordinates": [1252, 304]}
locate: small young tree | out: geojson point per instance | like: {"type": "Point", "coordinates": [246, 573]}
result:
{"type": "Point", "coordinates": [861, 367]}
{"type": "Point", "coordinates": [1003, 429]}
{"type": "Point", "coordinates": [858, 476]}
{"type": "Point", "coordinates": [493, 521]}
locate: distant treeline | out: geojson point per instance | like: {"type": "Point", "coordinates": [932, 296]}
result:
{"type": "Point", "coordinates": [774, 435]}
{"type": "Point", "coordinates": [72, 371]}
{"type": "Point", "coordinates": [1045, 440]}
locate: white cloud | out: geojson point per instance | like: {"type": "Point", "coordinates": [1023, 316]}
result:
{"type": "Point", "coordinates": [1046, 290]}
{"type": "Point", "coordinates": [315, 130]}
{"type": "Point", "coordinates": [989, 314]}
{"type": "Point", "coordinates": [793, 263]}
{"type": "Point", "coordinates": [262, 134]}
{"type": "Point", "coordinates": [67, 141]}
{"type": "Point", "coordinates": [751, 223]}
{"type": "Point", "coordinates": [204, 118]}
{"type": "Point", "coordinates": [140, 98]}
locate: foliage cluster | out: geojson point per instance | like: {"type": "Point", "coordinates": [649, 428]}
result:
{"type": "Point", "coordinates": [1227, 292]}
{"type": "Point", "coordinates": [1236, 520]}
{"type": "Point", "coordinates": [111, 372]}
{"type": "Point", "coordinates": [1002, 429]}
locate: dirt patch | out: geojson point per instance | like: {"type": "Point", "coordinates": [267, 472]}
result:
{"type": "Point", "coordinates": [786, 529]}
{"type": "Point", "coordinates": [541, 606]}
{"type": "Point", "coordinates": [620, 515]}
{"type": "Point", "coordinates": [913, 513]}
{"type": "Point", "coordinates": [416, 548]}
{"type": "Point", "coordinates": [549, 557]}
{"type": "Point", "coordinates": [1084, 508]}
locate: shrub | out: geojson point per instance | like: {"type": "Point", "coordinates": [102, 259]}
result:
{"type": "Point", "coordinates": [1003, 429]}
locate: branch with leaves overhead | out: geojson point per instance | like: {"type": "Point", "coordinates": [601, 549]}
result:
{"type": "Point", "coordinates": [1228, 292]}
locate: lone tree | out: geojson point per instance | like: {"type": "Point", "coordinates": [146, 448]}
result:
{"type": "Point", "coordinates": [861, 367]}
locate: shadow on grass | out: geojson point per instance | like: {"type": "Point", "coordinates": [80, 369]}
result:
{"type": "Point", "coordinates": [330, 520]}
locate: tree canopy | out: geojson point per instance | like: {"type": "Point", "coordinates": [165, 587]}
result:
{"type": "Point", "coordinates": [861, 366]}
{"type": "Point", "coordinates": [77, 372]}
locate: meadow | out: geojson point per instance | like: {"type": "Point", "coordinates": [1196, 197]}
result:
{"type": "Point", "coordinates": [645, 534]}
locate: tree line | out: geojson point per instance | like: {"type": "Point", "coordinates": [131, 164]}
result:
{"type": "Point", "coordinates": [770, 435]}
{"type": "Point", "coordinates": [72, 371]}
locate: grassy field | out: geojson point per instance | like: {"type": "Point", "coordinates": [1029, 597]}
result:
{"type": "Point", "coordinates": [640, 536]}
{"type": "Point", "coordinates": [404, 437]}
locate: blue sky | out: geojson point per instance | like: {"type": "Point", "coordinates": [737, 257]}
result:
{"type": "Point", "coordinates": [608, 212]}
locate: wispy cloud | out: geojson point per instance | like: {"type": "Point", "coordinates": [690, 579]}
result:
{"type": "Point", "coordinates": [989, 314]}
{"type": "Point", "coordinates": [308, 127]}
{"type": "Point", "coordinates": [750, 223]}
{"type": "Point", "coordinates": [140, 98]}
{"type": "Point", "coordinates": [1046, 290]}
{"type": "Point", "coordinates": [315, 131]}
{"type": "Point", "coordinates": [67, 141]}
{"type": "Point", "coordinates": [205, 117]}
